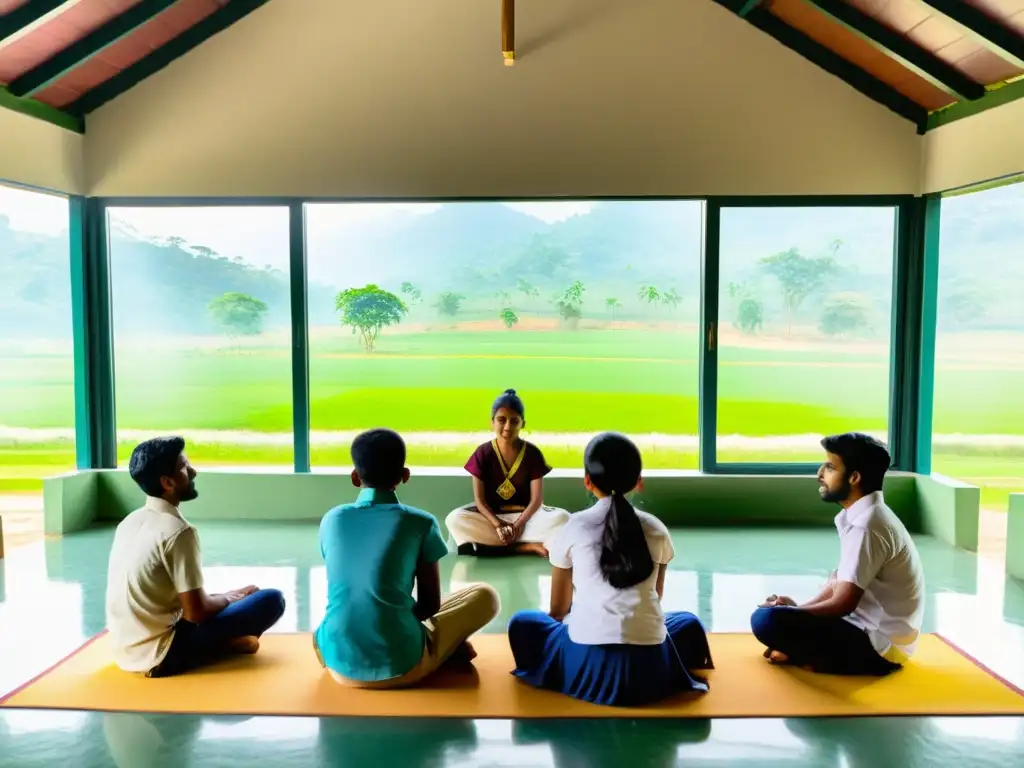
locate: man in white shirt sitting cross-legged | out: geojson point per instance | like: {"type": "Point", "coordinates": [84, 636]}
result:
{"type": "Point", "coordinates": [161, 620]}
{"type": "Point", "coordinates": [867, 620]}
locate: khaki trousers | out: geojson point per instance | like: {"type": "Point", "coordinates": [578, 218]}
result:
{"type": "Point", "coordinates": [461, 614]}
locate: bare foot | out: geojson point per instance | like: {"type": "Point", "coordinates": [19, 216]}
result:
{"type": "Point", "coordinates": [462, 656]}
{"type": "Point", "coordinates": [246, 644]}
{"type": "Point", "coordinates": [531, 548]}
{"type": "Point", "coordinates": [778, 657]}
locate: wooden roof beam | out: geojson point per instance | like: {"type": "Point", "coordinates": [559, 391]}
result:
{"type": "Point", "coordinates": [832, 62]}
{"type": "Point", "coordinates": [30, 16]}
{"type": "Point", "coordinates": [1000, 39]}
{"type": "Point", "coordinates": [80, 51]}
{"type": "Point", "coordinates": [894, 45]}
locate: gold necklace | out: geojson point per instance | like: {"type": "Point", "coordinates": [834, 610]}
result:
{"type": "Point", "coordinates": [506, 490]}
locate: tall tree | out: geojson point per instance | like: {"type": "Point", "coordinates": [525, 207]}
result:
{"type": "Point", "coordinates": [238, 314]}
{"type": "Point", "coordinates": [449, 303]}
{"type": "Point", "coordinates": [649, 294]}
{"type": "Point", "coordinates": [798, 276]}
{"type": "Point", "coordinates": [528, 289]}
{"type": "Point", "coordinates": [367, 310]}
{"type": "Point", "coordinates": [509, 317]}
{"type": "Point", "coordinates": [570, 304]}
{"type": "Point", "coordinates": [671, 298]}
{"type": "Point", "coordinates": [612, 303]}
{"type": "Point", "coordinates": [411, 291]}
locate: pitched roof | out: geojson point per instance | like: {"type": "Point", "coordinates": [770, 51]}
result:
{"type": "Point", "coordinates": [930, 61]}
{"type": "Point", "coordinates": [61, 59]}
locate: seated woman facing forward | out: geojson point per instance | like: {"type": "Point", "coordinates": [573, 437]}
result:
{"type": "Point", "coordinates": [508, 515]}
{"type": "Point", "coordinates": [610, 643]}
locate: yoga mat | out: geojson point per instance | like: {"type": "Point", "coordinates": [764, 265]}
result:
{"type": "Point", "coordinates": [284, 678]}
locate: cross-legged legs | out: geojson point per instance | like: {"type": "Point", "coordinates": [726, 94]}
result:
{"type": "Point", "coordinates": [461, 614]}
{"type": "Point", "coordinates": [197, 644]}
{"type": "Point", "coordinates": [617, 675]}
{"type": "Point", "coordinates": [826, 644]}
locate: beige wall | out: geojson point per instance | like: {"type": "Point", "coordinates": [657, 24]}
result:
{"type": "Point", "coordinates": [975, 149]}
{"type": "Point", "coordinates": [39, 154]}
{"type": "Point", "coordinates": [410, 98]}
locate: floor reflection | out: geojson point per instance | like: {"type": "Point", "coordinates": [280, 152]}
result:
{"type": "Point", "coordinates": [32, 738]}
{"type": "Point", "coordinates": [52, 596]}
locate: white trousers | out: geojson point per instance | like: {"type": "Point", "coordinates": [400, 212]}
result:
{"type": "Point", "coordinates": [466, 526]}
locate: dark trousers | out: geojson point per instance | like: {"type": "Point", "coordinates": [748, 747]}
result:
{"type": "Point", "coordinates": [197, 644]}
{"type": "Point", "coordinates": [828, 644]}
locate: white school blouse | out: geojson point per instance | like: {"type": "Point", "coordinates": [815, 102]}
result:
{"type": "Point", "coordinates": [601, 614]}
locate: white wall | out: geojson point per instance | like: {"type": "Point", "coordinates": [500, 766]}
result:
{"type": "Point", "coordinates": [986, 146]}
{"type": "Point", "coordinates": [410, 98]}
{"type": "Point", "coordinates": [39, 154]}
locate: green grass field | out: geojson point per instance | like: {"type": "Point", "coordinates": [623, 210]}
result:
{"type": "Point", "coordinates": [640, 381]}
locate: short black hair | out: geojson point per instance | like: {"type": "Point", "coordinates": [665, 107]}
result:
{"type": "Point", "coordinates": [379, 457]}
{"type": "Point", "coordinates": [861, 453]}
{"type": "Point", "coordinates": [154, 459]}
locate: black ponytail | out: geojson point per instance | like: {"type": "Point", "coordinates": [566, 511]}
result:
{"type": "Point", "coordinates": [613, 464]}
{"type": "Point", "coordinates": [625, 557]}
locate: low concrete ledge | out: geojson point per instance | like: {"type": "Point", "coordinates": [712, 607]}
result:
{"type": "Point", "coordinates": [950, 510]}
{"type": "Point", "coordinates": [1015, 536]}
{"type": "Point", "coordinates": [77, 500]}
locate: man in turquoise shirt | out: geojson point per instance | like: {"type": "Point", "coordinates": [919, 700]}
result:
{"type": "Point", "coordinates": [374, 633]}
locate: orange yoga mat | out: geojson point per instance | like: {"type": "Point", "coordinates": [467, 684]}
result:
{"type": "Point", "coordinates": [284, 678]}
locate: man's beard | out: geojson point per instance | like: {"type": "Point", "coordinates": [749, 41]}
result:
{"type": "Point", "coordinates": [190, 493]}
{"type": "Point", "coordinates": [842, 493]}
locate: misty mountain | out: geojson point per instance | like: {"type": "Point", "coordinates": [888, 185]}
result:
{"type": "Point", "coordinates": [483, 249]}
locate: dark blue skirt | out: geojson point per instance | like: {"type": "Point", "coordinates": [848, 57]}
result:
{"type": "Point", "coordinates": [615, 675]}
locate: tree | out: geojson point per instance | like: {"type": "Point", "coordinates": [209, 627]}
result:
{"type": "Point", "coordinates": [750, 316]}
{"type": "Point", "coordinates": [237, 314]}
{"type": "Point", "coordinates": [749, 311]}
{"type": "Point", "coordinates": [649, 294]}
{"type": "Point", "coordinates": [570, 304]}
{"type": "Point", "coordinates": [175, 241]}
{"type": "Point", "coordinates": [612, 303]}
{"type": "Point", "coordinates": [671, 298]}
{"type": "Point", "coordinates": [367, 310]}
{"type": "Point", "coordinates": [505, 297]}
{"type": "Point", "coordinates": [799, 277]}
{"type": "Point", "coordinates": [509, 317]}
{"type": "Point", "coordinates": [204, 251]}
{"type": "Point", "coordinates": [449, 303]}
{"type": "Point", "coordinates": [411, 291]}
{"type": "Point", "coordinates": [845, 314]}
{"type": "Point", "coordinates": [527, 289]}
{"type": "Point", "coordinates": [961, 306]}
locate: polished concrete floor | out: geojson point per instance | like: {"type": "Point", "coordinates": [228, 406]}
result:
{"type": "Point", "coordinates": [51, 599]}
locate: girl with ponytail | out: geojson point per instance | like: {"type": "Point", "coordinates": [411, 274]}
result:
{"type": "Point", "coordinates": [606, 638]}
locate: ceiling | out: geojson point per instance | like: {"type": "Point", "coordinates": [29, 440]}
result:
{"type": "Point", "coordinates": [930, 61]}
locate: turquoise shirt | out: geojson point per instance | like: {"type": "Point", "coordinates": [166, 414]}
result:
{"type": "Point", "coordinates": [371, 549]}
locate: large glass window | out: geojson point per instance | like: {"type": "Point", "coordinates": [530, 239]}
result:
{"type": "Point", "coordinates": [978, 419]}
{"type": "Point", "coordinates": [421, 314]}
{"type": "Point", "coordinates": [805, 298]}
{"type": "Point", "coordinates": [37, 398]}
{"type": "Point", "coordinates": [201, 316]}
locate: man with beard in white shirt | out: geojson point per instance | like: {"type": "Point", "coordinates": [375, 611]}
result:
{"type": "Point", "coordinates": [161, 620]}
{"type": "Point", "coordinates": [867, 619]}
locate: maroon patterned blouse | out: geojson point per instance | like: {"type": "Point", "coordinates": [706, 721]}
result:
{"type": "Point", "coordinates": [485, 465]}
